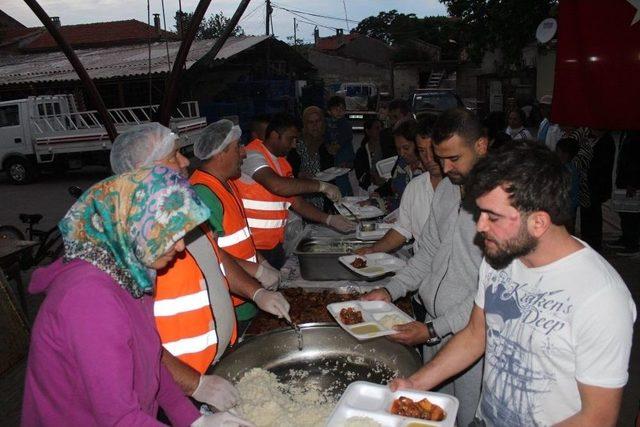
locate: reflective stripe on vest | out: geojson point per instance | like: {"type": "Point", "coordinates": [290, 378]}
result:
{"type": "Point", "coordinates": [183, 310]}
{"type": "Point", "coordinates": [266, 223]}
{"type": "Point", "coordinates": [266, 212]}
{"type": "Point", "coordinates": [191, 345]}
{"type": "Point", "coordinates": [237, 237]}
{"type": "Point", "coordinates": [173, 306]}
{"type": "Point", "coordinates": [265, 206]}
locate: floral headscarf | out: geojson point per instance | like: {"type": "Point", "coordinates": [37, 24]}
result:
{"type": "Point", "coordinates": [126, 222]}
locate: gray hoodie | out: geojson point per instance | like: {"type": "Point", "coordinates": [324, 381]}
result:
{"type": "Point", "coordinates": [445, 268]}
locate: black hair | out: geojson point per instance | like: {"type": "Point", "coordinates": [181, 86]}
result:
{"type": "Point", "coordinates": [457, 121]}
{"type": "Point", "coordinates": [408, 129]}
{"type": "Point", "coordinates": [280, 123]}
{"type": "Point", "coordinates": [569, 146]}
{"type": "Point", "coordinates": [425, 126]}
{"type": "Point", "coordinates": [370, 121]}
{"type": "Point", "coordinates": [336, 101]}
{"type": "Point", "coordinates": [521, 114]}
{"type": "Point", "coordinates": [531, 174]}
{"type": "Point", "coordinates": [399, 104]}
{"type": "Point", "coordinates": [256, 121]}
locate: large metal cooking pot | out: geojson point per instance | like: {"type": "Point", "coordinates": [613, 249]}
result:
{"type": "Point", "coordinates": [332, 357]}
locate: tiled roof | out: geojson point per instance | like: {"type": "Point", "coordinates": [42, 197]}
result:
{"type": "Point", "coordinates": [335, 42]}
{"type": "Point", "coordinates": [90, 35]}
{"type": "Point", "coordinates": [117, 61]}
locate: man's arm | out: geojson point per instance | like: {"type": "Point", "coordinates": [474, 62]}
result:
{"type": "Point", "coordinates": [240, 282]}
{"type": "Point", "coordinates": [308, 211]}
{"type": "Point", "coordinates": [599, 407]}
{"type": "Point", "coordinates": [285, 187]}
{"type": "Point", "coordinates": [464, 349]}
{"type": "Point", "coordinates": [184, 375]}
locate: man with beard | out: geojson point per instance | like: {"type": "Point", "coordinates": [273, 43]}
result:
{"type": "Point", "coordinates": [444, 270]}
{"type": "Point", "coordinates": [552, 318]}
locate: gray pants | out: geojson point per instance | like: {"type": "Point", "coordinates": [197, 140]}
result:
{"type": "Point", "coordinates": [465, 386]}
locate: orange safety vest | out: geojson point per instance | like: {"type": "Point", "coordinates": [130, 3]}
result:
{"type": "Point", "coordinates": [237, 239]}
{"type": "Point", "coordinates": [183, 315]}
{"type": "Point", "coordinates": [267, 213]}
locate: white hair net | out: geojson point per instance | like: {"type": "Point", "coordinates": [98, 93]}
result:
{"type": "Point", "coordinates": [141, 146]}
{"type": "Point", "coordinates": [215, 138]}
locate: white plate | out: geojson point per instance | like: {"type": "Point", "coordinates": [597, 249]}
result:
{"type": "Point", "coordinates": [331, 173]}
{"type": "Point", "coordinates": [372, 313]}
{"type": "Point", "coordinates": [376, 234]}
{"type": "Point", "coordinates": [364, 399]}
{"type": "Point", "coordinates": [378, 264]}
{"type": "Point", "coordinates": [361, 212]}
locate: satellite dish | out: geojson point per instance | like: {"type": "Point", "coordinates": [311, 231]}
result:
{"type": "Point", "coordinates": [546, 30]}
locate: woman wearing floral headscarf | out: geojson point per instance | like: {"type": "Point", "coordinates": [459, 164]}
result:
{"type": "Point", "coordinates": [95, 353]}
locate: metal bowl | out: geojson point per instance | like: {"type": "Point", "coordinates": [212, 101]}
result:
{"type": "Point", "coordinates": [332, 358]}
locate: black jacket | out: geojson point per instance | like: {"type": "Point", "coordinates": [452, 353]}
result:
{"type": "Point", "coordinates": [628, 168]}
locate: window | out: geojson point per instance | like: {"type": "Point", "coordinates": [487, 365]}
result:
{"type": "Point", "coordinates": [9, 116]}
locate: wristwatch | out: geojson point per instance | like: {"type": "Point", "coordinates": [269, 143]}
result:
{"type": "Point", "coordinates": [433, 337]}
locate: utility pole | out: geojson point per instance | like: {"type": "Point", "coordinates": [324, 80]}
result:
{"type": "Point", "coordinates": [295, 36]}
{"type": "Point", "coordinates": [269, 10]}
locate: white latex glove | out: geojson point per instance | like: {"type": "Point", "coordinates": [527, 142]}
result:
{"type": "Point", "coordinates": [221, 419]}
{"type": "Point", "coordinates": [272, 302]}
{"type": "Point", "coordinates": [217, 392]}
{"type": "Point", "coordinates": [331, 191]}
{"type": "Point", "coordinates": [340, 223]}
{"type": "Point", "coordinates": [268, 276]}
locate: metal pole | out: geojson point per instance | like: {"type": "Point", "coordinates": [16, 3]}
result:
{"type": "Point", "coordinates": [95, 97]}
{"type": "Point", "coordinates": [169, 99]}
{"type": "Point", "coordinates": [266, 21]}
{"type": "Point", "coordinates": [295, 42]}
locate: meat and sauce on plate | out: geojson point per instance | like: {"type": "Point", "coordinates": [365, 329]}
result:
{"type": "Point", "coordinates": [359, 263]}
{"type": "Point", "coordinates": [350, 316]}
{"type": "Point", "coordinates": [422, 409]}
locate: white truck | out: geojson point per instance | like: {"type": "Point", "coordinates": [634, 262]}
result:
{"type": "Point", "coordinates": [47, 132]}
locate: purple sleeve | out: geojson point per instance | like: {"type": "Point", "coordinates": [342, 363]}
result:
{"type": "Point", "coordinates": [176, 405]}
{"type": "Point", "coordinates": [98, 330]}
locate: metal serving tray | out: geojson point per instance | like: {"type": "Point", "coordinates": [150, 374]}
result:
{"type": "Point", "coordinates": [318, 258]}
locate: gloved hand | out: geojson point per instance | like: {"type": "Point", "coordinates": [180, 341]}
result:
{"type": "Point", "coordinates": [221, 419]}
{"type": "Point", "coordinates": [331, 191]}
{"type": "Point", "coordinates": [217, 392]}
{"type": "Point", "coordinates": [272, 302]}
{"type": "Point", "coordinates": [340, 223]}
{"type": "Point", "coordinates": [268, 276]}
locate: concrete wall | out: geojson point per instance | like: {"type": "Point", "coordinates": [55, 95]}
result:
{"type": "Point", "coordinates": [335, 69]}
{"type": "Point", "coordinates": [405, 80]}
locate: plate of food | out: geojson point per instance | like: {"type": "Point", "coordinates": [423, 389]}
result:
{"type": "Point", "coordinates": [331, 173]}
{"type": "Point", "coordinates": [358, 207]}
{"type": "Point", "coordinates": [372, 266]}
{"type": "Point", "coordinates": [368, 319]}
{"type": "Point", "coordinates": [376, 405]}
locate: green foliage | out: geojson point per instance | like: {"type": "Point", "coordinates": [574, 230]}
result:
{"type": "Point", "coordinates": [210, 28]}
{"type": "Point", "coordinates": [508, 25]}
{"type": "Point", "coordinates": [398, 28]}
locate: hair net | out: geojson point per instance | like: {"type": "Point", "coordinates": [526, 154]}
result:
{"type": "Point", "coordinates": [215, 138]}
{"type": "Point", "coordinates": [141, 146]}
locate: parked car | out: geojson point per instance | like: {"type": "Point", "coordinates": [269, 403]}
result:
{"type": "Point", "coordinates": [430, 103]}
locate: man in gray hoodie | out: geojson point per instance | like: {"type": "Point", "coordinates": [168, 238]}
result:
{"type": "Point", "coordinates": [444, 271]}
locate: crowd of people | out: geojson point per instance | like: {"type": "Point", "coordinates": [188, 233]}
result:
{"type": "Point", "coordinates": [523, 322]}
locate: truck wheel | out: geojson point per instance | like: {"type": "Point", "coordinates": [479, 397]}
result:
{"type": "Point", "coordinates": [20, 171]}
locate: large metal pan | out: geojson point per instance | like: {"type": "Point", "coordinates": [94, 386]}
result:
{"type": "Point", "coordinates": [318, 258]}
{"type": "Point", "coordinates": [332, 357]}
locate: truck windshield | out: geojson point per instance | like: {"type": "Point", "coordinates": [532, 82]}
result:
{"type": "Point", "coordinates": [358, 91]}
{"type": "Point", "coordinates": [440, 101]}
